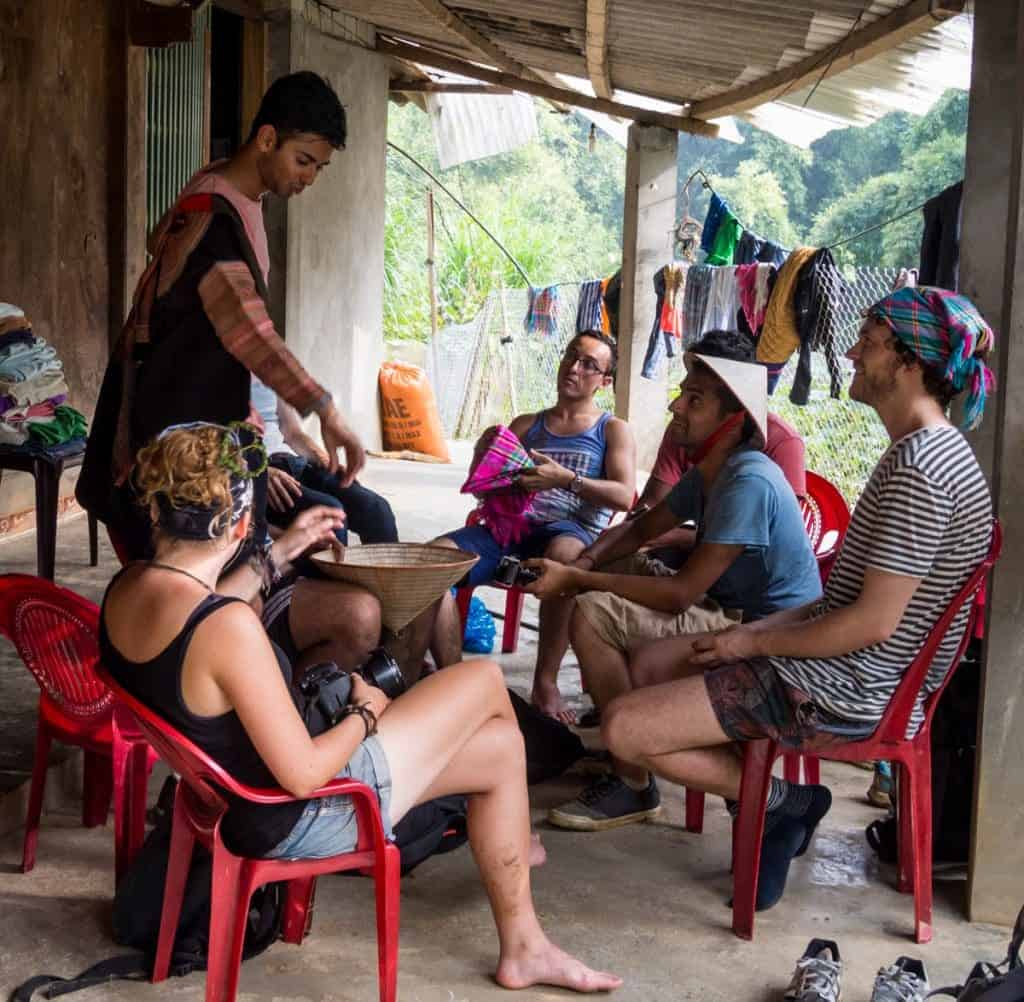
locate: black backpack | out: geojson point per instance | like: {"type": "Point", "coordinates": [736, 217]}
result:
{"type": "Point", "coordinates": [1003, 982]}
{"type": "Point", "coordinates": [437, 826]}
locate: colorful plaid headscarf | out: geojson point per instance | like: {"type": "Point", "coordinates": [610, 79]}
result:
{"type": "Point", "coordinates": [945, 330]}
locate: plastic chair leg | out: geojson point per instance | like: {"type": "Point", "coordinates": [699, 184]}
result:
{"type": "Point", "coordinates": [35, 798]}
{"type": "Point", "coordinates": [97, 789]}
{"type": "Point", "coordinates": [463, 596]}
{"type": "Point", "coordinates": [905, 817]}
{"type": "Point", "coordinates": [513, 616]}
{"type": "Point", "coordinates": [121, 766]}
{"type": "Point", "coordinates": [694, 811]}
{"type": "Point", "coordinates": [812, 769]}
{"type": "Point", "coordinates": [298, 909]}
{"type": "Point", "coordinates": [920, 776]}
{"type": "Point", "coordinates": [142, 766]}
{"type": "Point", "coordinates": [386, 886]}
{"type": "Point", "coordinates": [758, 757]}
{"type": "Point", "coordinates": [179, 860]}
{"type": "Point", "coordinates": [229, 908]}
{"type": "Point", "coordinates": [791, 767]}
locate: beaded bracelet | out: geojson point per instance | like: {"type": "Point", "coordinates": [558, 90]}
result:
{"type": "Point", "coordinates": [367, 715]}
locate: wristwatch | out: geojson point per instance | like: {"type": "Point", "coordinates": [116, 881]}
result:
{"type": "Point", "coordinates": [576, 484]}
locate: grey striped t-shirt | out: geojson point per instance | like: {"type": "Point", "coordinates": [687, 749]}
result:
{"type": "Point", "coordinates": [926, 512]}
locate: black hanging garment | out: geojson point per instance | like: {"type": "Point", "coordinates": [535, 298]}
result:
{"type": "Point", "coordinates": [817, 293]}
{"type": "Point", "coordinates": [940, 242]}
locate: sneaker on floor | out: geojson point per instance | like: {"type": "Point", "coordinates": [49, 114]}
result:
{"type": "Point", "coordinates": [817, 975]}
{"type": "Point", "coordinates": [608, 802]}
{"type": "Point", "coordinates": [903, 981]}
{"type": "Point", "coordinates": [880, 792]}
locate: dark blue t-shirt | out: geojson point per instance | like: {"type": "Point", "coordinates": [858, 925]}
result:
{"type": "Point", "coordinates": [752, 505]}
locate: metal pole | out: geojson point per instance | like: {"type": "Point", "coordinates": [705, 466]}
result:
{"type": "Point", "coordinates": [431, 274]}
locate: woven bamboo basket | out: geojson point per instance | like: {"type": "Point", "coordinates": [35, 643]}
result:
{"type": "Point", "coordinates": [405, 577]}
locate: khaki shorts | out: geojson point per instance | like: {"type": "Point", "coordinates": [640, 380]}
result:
{"type": "Point", "coordinates": [625, 625]}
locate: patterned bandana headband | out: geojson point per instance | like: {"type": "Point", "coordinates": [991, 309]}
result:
{"type": "Point", "coordinates": [946, 331]}
{"type": "Point", "coordinates": [242, 454]}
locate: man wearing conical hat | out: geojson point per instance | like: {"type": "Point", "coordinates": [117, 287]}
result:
{"type": "Point", "coordinates": [825, 672]}
{"type": "Point", "coordinates": [752, 559]}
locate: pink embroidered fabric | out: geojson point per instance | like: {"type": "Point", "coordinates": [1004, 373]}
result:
{"type": "Point", "coordinates": [504, 508]}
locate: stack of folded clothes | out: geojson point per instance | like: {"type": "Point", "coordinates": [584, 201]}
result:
{"type": "Point", "coordinates": [34, 412]}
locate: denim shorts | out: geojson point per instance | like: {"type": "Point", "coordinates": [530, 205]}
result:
{"type": "Point", "coordinates": [478, 539]}
{"type": "Point", "coordinates": [328, 825]}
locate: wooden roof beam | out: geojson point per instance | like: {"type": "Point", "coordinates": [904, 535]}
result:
{"type": "Point", "coordinates": [428, 57]}
{"type": "Point", "coordinates": [437, 87]}
{"type": "Point", "coordinates": [597, 48]}
{"type": "Point", "coordinates": [858, 47]}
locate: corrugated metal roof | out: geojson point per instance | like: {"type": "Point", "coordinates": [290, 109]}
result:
{"type": "Point", "coordinates": [683, 51]}
{"type": "Point", "coordinates": [474, 126]}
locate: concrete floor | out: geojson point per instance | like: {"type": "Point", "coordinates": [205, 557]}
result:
{"type": "Point", "coordinates": [646, 901]}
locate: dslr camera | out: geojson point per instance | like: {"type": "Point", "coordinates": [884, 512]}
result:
{"type": "Point", "coordinates": [511, 573]}
{"type": "Point", "coordinates": [326, 690]}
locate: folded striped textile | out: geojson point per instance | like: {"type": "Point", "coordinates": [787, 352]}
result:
{"type": "Point", "coordinates": [503, 508]}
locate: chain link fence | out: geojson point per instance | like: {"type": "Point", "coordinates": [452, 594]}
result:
{"type": "Point", "coordinates": [487, 371]}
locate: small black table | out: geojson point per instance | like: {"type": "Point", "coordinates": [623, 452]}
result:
{"type": "Point", "coordinates": [46, 466]}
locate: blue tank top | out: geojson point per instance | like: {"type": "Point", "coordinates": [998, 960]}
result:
{"type": "Point", "coordinates": [584, 454]}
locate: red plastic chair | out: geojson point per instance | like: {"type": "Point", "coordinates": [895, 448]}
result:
{"type": "Point", "coordinates": [55, 633]}
{"type": "Point", "coordinates": [888, 742]}
{"type": "Point", "coordinates": [826, 519]}
{"type": "Point", "coordinates": [199, 807]}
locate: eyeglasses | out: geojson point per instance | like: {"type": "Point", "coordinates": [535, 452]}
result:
{"type": "Point", "coordinates": [587, 365]}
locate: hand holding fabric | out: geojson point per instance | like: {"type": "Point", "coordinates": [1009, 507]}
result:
{"type": "Point", "coordinates": [546, 475]}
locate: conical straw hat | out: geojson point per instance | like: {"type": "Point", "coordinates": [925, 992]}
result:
{"type": "Point", "coordinates": [749, 384]}
{"type": "Point", "coordinates": [405, 577]}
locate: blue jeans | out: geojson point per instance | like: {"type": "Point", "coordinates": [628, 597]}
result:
{"type": "Point", "coordinates": [366, 513]}
{"type": "Point", "coordinates": [478, 539]}
{"type": "Point", "coordinates": [327, 825]}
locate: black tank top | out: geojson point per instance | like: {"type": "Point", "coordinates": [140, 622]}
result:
{"type": "Point", "coordinates": [248, 829]}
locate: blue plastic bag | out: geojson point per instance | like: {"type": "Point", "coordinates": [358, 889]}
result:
{"type": "Point", "coordinates": [479, 637]}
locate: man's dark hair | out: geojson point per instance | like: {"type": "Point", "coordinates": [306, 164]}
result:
{"type": "Point", "coordinates": [935, 383]}
{"type": "Point", "coordinates": [734, 345]}
{"type": "Point", "coordinates": [302, 102]}
{"type": "Point", "coordinates": [605, 339]}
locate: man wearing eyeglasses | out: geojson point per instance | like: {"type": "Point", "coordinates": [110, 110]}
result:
{"type": "Point", "coordinates": [586, 471]}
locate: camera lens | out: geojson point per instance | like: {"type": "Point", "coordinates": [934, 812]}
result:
{"type": "Point", "coordinates": [381, 670]}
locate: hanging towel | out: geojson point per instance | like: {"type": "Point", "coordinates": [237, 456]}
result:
{"type": "Point", "coordinates": [672, 302]}
{"type": "Point", "coordinates": [669, 286]}
{"type": "Point", "coordinates": [779, 335]}
{"type": "Point", "coordinates": [542, 311]}
{"type": "Point", "coordinates": [612, 294]}
{"type": "Point", "coordinates": [716, 212]}
{"type": "Point", "coordinates": [726, 239]}
{"type": "Point", "coordinates": [723, 301]}
{"type": "Point", "coordinates": [590, 313]}
{"type": "Point", "coordinates": [752, 284]}
{"type": "Point", "coordinates": [695, 302]}
{"type": "Point", "coordinates": [940, 241]}
{"type": "Point", "coordinates": [606, 320]}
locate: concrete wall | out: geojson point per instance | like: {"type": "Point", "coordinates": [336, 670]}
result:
{"type": "Point", "coordinates": [992, 252]}
{"type": "Point", "coordinates": [647, 230]}
{"type": "Point", "coordinates": [60, 93]}
{"type": "Point", "coordinates": [327, 247]}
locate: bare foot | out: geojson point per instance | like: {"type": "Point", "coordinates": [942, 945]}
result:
{"type": "Point", "coordinates": [551, 966]}
{"type": "Point", "coordinates": [538, 854]}
{"type": "Point", "coordinates": [548, 699]}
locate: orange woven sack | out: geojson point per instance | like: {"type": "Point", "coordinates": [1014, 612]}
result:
{"type": "Point", "coordinates": [409, 412]}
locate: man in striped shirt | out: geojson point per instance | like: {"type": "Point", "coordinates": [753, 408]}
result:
{"type": "Point", "coordinates": [824, 672]}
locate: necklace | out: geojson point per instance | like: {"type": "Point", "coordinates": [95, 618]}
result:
{"type": "Point", "coordinates": [180, 570]}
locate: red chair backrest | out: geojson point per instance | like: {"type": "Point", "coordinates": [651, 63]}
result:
{"type": "Point", "coordinates": [202, 774]}
{"type": "Point", "coordinates": [826, 515]}
{"type": "Point", "coordinates": [56, 634]}
{"type": "Point", "coordinates": [893, 725]}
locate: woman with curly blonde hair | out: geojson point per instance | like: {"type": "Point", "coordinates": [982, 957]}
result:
{"type": "Point", "coordinates": [204, 662]}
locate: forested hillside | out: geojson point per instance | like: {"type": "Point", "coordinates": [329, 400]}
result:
{"type": "Point", "coordinates": [557, 205]}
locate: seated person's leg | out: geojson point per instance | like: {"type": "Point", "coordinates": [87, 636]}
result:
{"type": "Point", "coordinates": [282, 515]}
{"type": "Point", "coordinates": [313, 621]}
{"type": "Point", "coordinates": [369, 515]}
{"type": "Point", "coordinates": [685, 731]}
{"type": "Point", "coordinates": [664, 660]}
{"type": "Point", "coordinates": [564, 542]}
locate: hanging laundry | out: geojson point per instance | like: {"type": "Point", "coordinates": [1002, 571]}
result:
{"type": "Point", "coordinates": [819, 287]}
{"type": "Point", "coordinates": [589, 312]}
{"type": "Point", "coordinates": [752, 281]}
{"type": "Point", "coordinates": [606, 320]}
{"type": "Point", "coordinates": [779, 334]}
{"type": "Point", "coordinates": [726, 239]}
{"type": "Point", "coordinates": [612, 294]}
{"type": "Point", "coordinates": [774, 372]}
{"type": "Point", "coordinates": [772, 253]}
{"type": "Point", "coordinates": [940, 242]}
{"type": "Point", "coordinates": [542, 311]}
{"type": "Point", "coordinates": [747, 249]}
{"type": "Point", "coordinates": [717, 209]}
{"type": "Point", "coordinates": [723, 301]}
{"type": "Point", "coordinates": [669, 291]}
{"type": "Point", "coordinates": [695, 302]}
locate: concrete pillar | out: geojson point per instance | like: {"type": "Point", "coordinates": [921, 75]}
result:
{"type": "Point", "coordinates": [327, 246]}
{"type": "Point", "coordinates": [649, 216]}
{"type": "Point", "coordinates": [992, 253]}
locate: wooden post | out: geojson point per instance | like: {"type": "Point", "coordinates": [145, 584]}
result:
{"type": "Point", "coordinates": [431, 274]}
